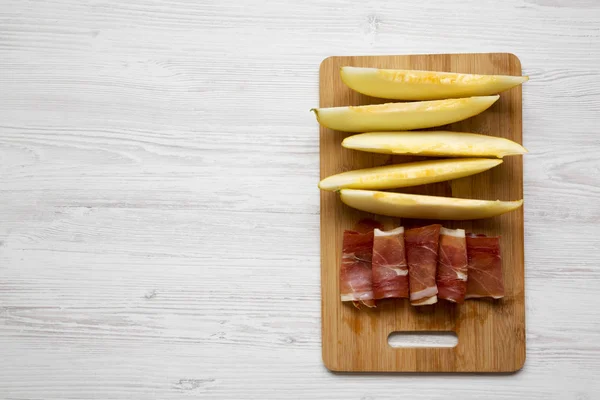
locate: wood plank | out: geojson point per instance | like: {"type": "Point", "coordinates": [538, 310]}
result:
{"type": "Point", "coordinates": [491, 335]}
{"type": "Point", "coordinates": [137, 158]}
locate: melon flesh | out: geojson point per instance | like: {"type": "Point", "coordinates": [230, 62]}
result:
{"type": "Point", "coordinates": [402, 116]}
{"type": "Point", "coordinates": [434, 143]}
{"type": "Point", "coordinates": [426, 207]}
{"type": "Point", "coordinates": [408, 174]}
{"type": "Point", "coordinates": [424, 85]}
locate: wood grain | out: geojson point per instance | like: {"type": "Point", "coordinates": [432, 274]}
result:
{"type": "Point", "coordinates": [159, 209]}
{"type": "Point", "coordinates": [491, 335]}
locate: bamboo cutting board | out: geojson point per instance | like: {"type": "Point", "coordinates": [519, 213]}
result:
{"type": "Point", "coordinates": [491, 334]}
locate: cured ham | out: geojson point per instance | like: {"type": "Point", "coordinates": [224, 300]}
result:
{"type": "Point", "coordinates": [421, 254]}
{"type": "Point", "coordinates": [451, 275]}
{"type": "Point", "coordinates": [390, 270]}
{"type": "Point", "coordinates": [484, 267]}
{"type": "Point", "coordinates": [422, 264]}
{"type": "Point", "coordinates": [356, 276]}
{"type": "Point", "coordinates": [367, 225]}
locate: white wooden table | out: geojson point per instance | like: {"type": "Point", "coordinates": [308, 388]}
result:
{"type": "Point", "coordinates": [159, 215]}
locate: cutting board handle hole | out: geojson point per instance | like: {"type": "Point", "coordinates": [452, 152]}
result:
{"type": "Point", "coordinates": [422, 339]}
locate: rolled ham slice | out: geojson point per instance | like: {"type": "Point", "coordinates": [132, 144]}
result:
{"type": "Point", "coordinates": [451, 278]}
{"type": "Point", "coordinates": [367, 225]}
{"type": "Point", "coordinates": [390, 270]}
{"type": "Point", "coordinates": [356, 276]}
{"type": "Point", "coordinates": [421, 254]}
{"type": "Point", "coordinates": [484, 267]}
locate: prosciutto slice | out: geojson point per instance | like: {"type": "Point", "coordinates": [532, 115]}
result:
{"type": "Point", "coordinates": [356, 276]}
{"type": "Point", "coordinates": [451, 275]}
{"type": "Point", "coordinates": [421, 255]}
{"type": "Point", "coordinates": [485, 267]}
{"type": "Point", "coordinates": [390, 270]}
{"type": "Point", "coordinates": [367, 225]}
